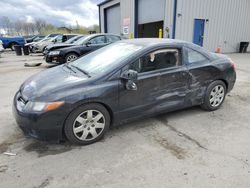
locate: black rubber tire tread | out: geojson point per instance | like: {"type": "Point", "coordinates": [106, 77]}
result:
{"type": "Point", "coordinates": [206, 104]}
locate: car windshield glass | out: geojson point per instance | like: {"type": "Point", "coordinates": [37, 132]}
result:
{"type": "Point", "coordinates": [105, 59]}
{"type": "Point", "coordinates": [44, 39]}
{"type": "Point", "coordinates": [53, 38]}
{"type": "Point", "coordinates": [80, 41]}
{"type": "Point", "coordinates": [72, 40]}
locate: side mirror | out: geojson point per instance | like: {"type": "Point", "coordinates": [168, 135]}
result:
{"type": "Point", "coordinates": [88, 44]}
{"type": "Point", "coordinates": [130, 85]}
{"type": "Point", "coordinates": [130, 75]}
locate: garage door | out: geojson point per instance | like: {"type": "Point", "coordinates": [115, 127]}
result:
{"type": "Point", "coordinates": [150, 11]}
{"type": "Point", "coordinates": [113, 20]}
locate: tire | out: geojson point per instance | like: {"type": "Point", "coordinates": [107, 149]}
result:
{"type": "Point", "coordinates": [70, 57]}
{"type": "Point", "coordinates": [83, 130]}
{"type": "Point", "coordinates": [12, 46]}
{"type": "Point", "coordinates": [214, 96]}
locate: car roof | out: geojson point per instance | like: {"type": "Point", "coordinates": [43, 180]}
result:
{"type": "Point", "coordinates": [150, 42]}
{"type": "Point", "coordinates": [72, 34]}
{"type": "Point", "coordinates": [106, 34]}
{"type": "Point", "coordinates": [154, 41]}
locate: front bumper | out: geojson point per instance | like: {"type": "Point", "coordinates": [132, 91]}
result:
{"type": "Point", "coordinates": [36, 49]}
{"type": "Point", "coordinates": [43, 126]}
{"type": "Point", "coordinates": [54, 59]}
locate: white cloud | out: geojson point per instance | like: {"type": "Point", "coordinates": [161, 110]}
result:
{"type": "Point", "coordinates": [30, 19]}
{"type": "Point", "coordinates": [59, 12]}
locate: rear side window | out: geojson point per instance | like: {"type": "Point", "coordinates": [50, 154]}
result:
{"type": "Point", "coordinates": [111, 38]}
{"type": "Point", "coordinates": [195, 57]}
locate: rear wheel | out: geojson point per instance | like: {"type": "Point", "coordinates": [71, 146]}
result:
{"type": "Point", "coordinates": [71, 57]}
{"type": "Point", "coordinates": [87, 124]}
{"type": "Point", "coordinates": [12, 46]}
{"type": "Point", "coordinates": [215, 96]}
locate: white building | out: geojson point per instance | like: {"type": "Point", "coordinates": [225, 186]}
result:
{"type": "Point", "coordinates": [209, 23]}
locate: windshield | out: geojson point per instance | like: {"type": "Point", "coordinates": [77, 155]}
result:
{"type": "Point", "coordinates": [105, 59]}
{"type": "Point", "coordinates": [80, 41]}
{"type": "Point", "coordinates": [73, 39]}
{"type": "Point", "coordinates": [53, 39]}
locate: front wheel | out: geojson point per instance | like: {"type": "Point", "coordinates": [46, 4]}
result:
{"type": "Point", "coordinates": [87, 124]}
{"type": "Point", "coordinates": [215, 96]}
{"type": "Point", "coordinates": [71, 57]}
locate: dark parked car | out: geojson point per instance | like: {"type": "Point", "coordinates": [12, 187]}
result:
{"type": "Point", "coordinates": [81, 47]}
{"type": "Point", "coordinates": [68, 43]}
{"type": "Point", "coordinates": [121, 82]}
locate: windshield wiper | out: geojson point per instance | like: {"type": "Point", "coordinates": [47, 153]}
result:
{"type": "Point", "coordinates": [67, 65]}
{"type": "Point", "coordinates": [83, 71]}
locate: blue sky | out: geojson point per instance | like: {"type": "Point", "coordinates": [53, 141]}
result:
{"type": "Point", "coordinates": [58, 12]}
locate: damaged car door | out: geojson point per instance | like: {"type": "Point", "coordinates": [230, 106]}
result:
{"type": "Point", "coordinates": [173, 79]}
{"type": "Point", "coordinates": [138, 94]}
{"type": "Point", "coordinates": [162, 83]}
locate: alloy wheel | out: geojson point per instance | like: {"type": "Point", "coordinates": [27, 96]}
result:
{"type": "Point", "coordinates": [71, 58]}
{"type": "Point", "coordinates": [89, 125]}
{"type": "Point", "coordinates": [217, 95]}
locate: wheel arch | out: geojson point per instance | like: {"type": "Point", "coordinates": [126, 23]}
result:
{"type": "Point", "coordinates": [71, 52]}
{"type": "Point", "coordinates": [12, 42]}
{"type": "Point", "coordinates": [225, 82]}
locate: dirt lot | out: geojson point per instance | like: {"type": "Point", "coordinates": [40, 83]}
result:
{"type": "Point", "coordinates": [188, 148]}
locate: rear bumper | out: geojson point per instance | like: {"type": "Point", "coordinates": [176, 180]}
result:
{"type": "Point", "coordinates": [231, 80]}
{"type": "Point", "coordinates": [43, 126]}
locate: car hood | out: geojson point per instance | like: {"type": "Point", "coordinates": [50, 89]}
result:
{"type": "Point", "coordinates": [56, 46]}
{"type": "Point", "coordinates": [30, 43]}
{"type": "Point", "coordinates": [50, 84]}
{"type": "Point", "coordinates": [43, 43]}
{"type": "Point", "coordinates": [73, 47]}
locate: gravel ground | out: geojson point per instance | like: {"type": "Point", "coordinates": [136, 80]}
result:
{"type": "Point", "coordinates": [187, 148]}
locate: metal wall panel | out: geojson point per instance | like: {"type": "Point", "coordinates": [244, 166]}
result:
{"type": "Point", "coordinates": [151, 11]}
{"type": "Point", "coordinates": [168, 18]}
{"type": "Point", "coordinates": [228, 22]}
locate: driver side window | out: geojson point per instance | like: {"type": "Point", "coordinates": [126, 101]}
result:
{"type": "Point", "coordinates": [156, 60]}
{"type": "Point", "coordinates": [97, 40]}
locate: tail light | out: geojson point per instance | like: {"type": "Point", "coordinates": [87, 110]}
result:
{"type": "Point", "coordinates": [232, 64]}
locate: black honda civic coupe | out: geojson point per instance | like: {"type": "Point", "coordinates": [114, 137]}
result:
{"type": "Point", "coordinates": [126, 80]}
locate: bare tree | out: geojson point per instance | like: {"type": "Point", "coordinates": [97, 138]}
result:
{"type": "Point", "coordinates": [40, 24]}
{"type": "Point", "coordinates": [7, 25]}
{"type": "Point", "coordinates": [18, 27]}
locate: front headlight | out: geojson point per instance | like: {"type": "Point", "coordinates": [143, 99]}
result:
{"type": "Point", "coordinates": [42, 106]}
{"type": "Point", "coordinates": [54, 53]}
